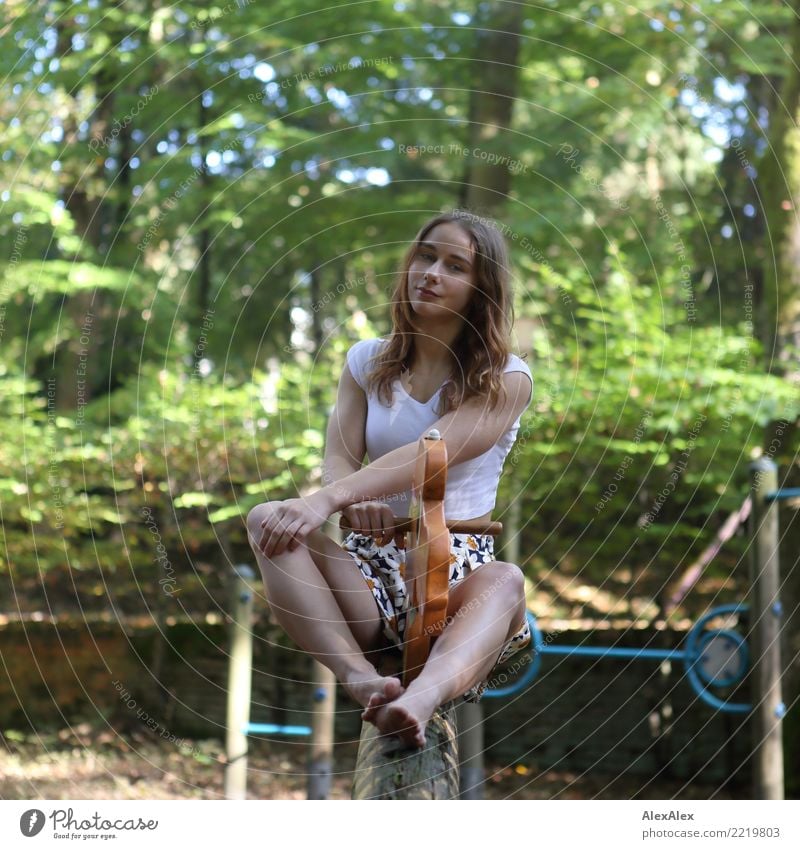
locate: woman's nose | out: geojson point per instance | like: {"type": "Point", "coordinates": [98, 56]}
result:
{"type": "Point", "coordinates": [434, 271]}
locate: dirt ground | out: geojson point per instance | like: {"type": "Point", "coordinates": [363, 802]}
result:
{"type": "Point", "coordinates": [87, 763]}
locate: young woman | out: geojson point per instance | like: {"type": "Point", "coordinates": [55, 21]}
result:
{"type": "Point", "coordinates": [446, 364]}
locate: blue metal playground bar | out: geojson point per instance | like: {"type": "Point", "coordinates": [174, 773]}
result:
{"type": "Point", "coordinates": [782, 494]}
{"type": "Point", "coordinates": [268, 728]}
{"type": "Point", "coordinates": [628, 654]}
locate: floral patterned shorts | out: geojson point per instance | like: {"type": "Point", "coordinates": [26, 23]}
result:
{"type": "Point", "coordinates": [383, 568]}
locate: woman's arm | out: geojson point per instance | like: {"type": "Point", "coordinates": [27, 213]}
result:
{"type": "Point", "coordinates": [345, 447]}
{"type": "Point", "coordinates": [469, 431]}
{"type": "Point", "coordinates": [345, 443]}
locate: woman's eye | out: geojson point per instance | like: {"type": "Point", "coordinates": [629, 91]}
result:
{"type": "Point", "coordinates": [456, 268]}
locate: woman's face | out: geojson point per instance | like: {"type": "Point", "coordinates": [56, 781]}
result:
{"type": "Point", "coordinates": [441, 277]}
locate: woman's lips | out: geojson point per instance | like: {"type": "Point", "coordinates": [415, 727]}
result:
{"type": "Point", "coordinates": [426, 293]}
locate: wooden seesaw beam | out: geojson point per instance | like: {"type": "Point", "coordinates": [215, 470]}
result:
{"type": "Point", "coordinates": [385, 767]}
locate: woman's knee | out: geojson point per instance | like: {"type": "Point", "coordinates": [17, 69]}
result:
{"type": "Point", "coordinates": [501, 577]}
{"type": "Point", "coordinates": [512, 578]}
{"type": "Point", "coordinates": [514, 595]}
{"type": "Point", "coordinates": [255, 530]}
{"type": "Point", "coordinates": [508, 583]}
{"type": "Point", "coordinates": [495, 581]}
{"type": "Point", "coordinates": [254, 519]}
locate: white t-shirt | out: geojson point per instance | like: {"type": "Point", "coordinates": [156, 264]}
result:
{"type": "Point", "coordinates": [472, 485]}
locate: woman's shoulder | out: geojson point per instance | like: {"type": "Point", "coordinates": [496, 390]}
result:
{"type": "Point", "coordinates": [515, 363]}
{"type": "Point", "coordinates": [359, 355]}
{"type": "Point", "coordinates": [363, 350]}
{"type": "Point", "coordinates": [367, 345]}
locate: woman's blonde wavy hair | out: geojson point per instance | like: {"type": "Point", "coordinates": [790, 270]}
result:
{"type": "Point", "coordinates": [481, 350]}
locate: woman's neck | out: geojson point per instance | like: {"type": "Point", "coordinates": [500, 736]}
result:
{"type": "Point", "coordinates": [434, 348]}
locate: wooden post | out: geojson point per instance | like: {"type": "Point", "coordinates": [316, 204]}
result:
{"type": "Point", "coordinates": [386, 769]}
{"type": "Point", "coordinates": [765, 631]}
{"type": "Point", "coordinates": [470, 749]}
{"type": "Point", "coordinates": [511, 523]}
{"type": "Point", "coordinates": [320, 763]}
{"type": "Point", "coordinates": [240, 670]}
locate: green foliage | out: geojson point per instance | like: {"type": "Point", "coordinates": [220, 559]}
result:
{"type": "Point", "coordinates": [185, 460]}
{"type": "Point", "coordinates": [637, 443]}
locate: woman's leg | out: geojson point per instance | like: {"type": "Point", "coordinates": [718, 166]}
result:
{"type": "Point", "coordinates": [487, 609]}
{"type": "Point", "coordinates": [321, 600]}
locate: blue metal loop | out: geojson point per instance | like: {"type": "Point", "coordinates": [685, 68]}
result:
{"type": "Point", "coordinates": [535, 653]}
{"type": "Point", "coordinates": [692, 656]}
{"type": "Point", "coordinates": [740, 651]}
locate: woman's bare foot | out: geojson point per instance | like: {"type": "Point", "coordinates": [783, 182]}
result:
{"type": "Point", "coordinates": [407, 716]}
{"type": "Point", "coordinates": [363, 686]}
{"type": "Point", "coordinates": [378, 700]}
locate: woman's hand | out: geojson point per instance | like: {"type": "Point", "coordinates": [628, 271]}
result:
{"type": "Point", "coordinates": [289, 522]}
{"type": "Point", "coordinates": [373, 518]}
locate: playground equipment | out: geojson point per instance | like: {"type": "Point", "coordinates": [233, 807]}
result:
{"type": "Point", "coordinates": [721, 657]}
{"type": "Point", "coordinates": [715, 658]}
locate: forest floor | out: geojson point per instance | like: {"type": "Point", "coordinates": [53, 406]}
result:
{"type": "Point", "coordinates": [86, 763]}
